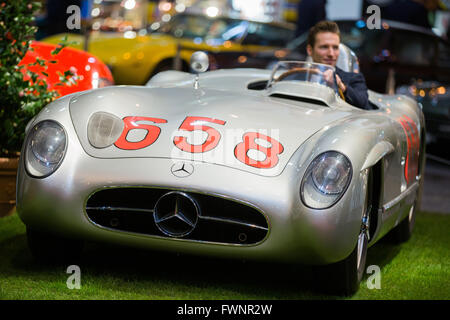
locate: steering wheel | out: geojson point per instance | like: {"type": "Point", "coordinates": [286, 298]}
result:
{"type": "Point", "coordinates": [311, 71]}
{"type": "Point", "coordinates": [298, 70]}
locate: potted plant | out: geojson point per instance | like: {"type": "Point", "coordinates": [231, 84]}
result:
{"type": "Point", "coordinates": [23, 92]}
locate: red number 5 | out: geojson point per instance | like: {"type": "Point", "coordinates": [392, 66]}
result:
{"type": "Point", "coordinates": [131, 123]}
{"type": "Point", "coordinates": [196, 123]}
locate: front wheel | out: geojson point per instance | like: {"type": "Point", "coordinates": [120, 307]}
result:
{"type": "Point", "coordinates": [344, 277]}
{"type": "Point", "coordinates": [48, 248]}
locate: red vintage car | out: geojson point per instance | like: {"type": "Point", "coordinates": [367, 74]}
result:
{"type": "Point", "coordinates": [88, 71]}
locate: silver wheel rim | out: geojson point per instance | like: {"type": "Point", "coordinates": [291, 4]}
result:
{"type": "Point", "coordinates": [411, 218]}
{"type": "Point", "coordinates": [363, 241]}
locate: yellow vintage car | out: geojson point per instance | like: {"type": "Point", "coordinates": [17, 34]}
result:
{"type": "Point", "coordinates": [135, 56]}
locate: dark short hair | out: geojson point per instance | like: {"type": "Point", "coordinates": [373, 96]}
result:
{"type": "Point", "coordinates": [322, 26]}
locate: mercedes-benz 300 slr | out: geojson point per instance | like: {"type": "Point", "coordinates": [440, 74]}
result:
{"type": "Point", "coordinates": [269, 165]}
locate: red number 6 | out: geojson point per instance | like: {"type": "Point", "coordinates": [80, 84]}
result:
{"type": "Point", "coordinates": [131, 123]}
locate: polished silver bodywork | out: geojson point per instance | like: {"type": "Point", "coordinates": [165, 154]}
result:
{"type": "Point", "coordinates": [306, 128]}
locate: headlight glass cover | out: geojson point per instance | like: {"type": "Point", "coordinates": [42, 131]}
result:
{"type": "Point", "coordinates": [326, 180]}
{"type": "Point", "coordinates": [45, 148]}
{"type": "Point", "coordinates": [104, 129]}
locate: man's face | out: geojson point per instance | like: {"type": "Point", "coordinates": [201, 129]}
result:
{"type": "Point", "coordinates": [326, 48]}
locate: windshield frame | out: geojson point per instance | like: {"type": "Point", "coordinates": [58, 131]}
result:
{"type": "Point", "coordinates": [291, 64]}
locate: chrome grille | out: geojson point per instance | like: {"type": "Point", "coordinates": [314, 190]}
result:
{"type": "Point", "coordinates": [220, 220]}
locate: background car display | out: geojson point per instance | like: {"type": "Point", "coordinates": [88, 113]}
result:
{"type": "Point", "coordinates": [134, 57]}
{"type": "Point", "coordinates": [389, 57]}
{"type": "Point", "coordinates": [400, 56]}
{"type": "Point", "coordinates": [392, 58]}
{"type": "Point", "coordinates": [221, 165]}
{"type": "Point", "coordinates": [435, 100]}
{"type": "Point", "coordinates": [88, 71]}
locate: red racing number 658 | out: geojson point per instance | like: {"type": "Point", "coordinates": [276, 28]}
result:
{"type": "Point", "coordinates": [266, 145]}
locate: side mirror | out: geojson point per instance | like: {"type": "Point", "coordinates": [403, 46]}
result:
{"type": "Point", "coordinates": [199, 64]}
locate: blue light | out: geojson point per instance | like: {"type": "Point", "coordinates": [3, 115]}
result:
{"type": "Point", "coordinates": [360, 24]}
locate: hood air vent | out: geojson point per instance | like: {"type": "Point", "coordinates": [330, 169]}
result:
{"type": "Point", "coordinates": [300, 99]}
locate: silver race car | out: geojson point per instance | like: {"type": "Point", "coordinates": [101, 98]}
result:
{"type": "Point", "coordinates": [249, 164]}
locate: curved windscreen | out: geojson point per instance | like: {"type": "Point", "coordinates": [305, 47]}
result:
{"type": "Point", "coordinates": [301, 71]}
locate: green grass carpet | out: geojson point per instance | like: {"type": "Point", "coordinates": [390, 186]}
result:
{"type": "Point", "coordinates": [418, 269]}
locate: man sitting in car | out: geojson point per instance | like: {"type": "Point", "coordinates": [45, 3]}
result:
{"type": "Point", "coordinates": [323, 47]}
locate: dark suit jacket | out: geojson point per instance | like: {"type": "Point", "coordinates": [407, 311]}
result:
{"type": "Point", "coordinates": [356, 93]}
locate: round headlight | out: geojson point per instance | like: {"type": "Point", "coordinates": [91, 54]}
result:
{"type": "Point", "coordinates": [45, 148]}
{"type": "Point", "coordinates": [326, 180]}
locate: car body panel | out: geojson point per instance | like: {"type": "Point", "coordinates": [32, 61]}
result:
{"type": "Point", "coordinates": [210, 103]}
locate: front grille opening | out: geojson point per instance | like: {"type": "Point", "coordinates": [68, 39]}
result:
{"type": "Point", "coordinates": [220, 220]}
{"type": "Point", "coordinates": [221, 208]}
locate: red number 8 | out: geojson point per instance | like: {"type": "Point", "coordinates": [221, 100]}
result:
{"type": "Point", "coordinates": [249, 143]}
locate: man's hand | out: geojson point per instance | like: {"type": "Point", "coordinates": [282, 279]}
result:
{"type": "Point", "coordinates": [341, 84]}
{"type": "Point", "coordinates": [328, 77]}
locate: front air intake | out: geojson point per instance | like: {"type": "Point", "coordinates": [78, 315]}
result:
{"type": "Point", "coordinates": [177, 214]}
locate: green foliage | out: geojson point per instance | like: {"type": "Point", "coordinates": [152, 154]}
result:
{"type": "Point", "coordinates": [23, 93]}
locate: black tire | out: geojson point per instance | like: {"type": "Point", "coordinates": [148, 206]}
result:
{"type": "Point", "coordinates": [50, 249]}
{"type": "Point", "coordinates": [344, 277]}
{"type": "Point", "coordinates": [340, 278]}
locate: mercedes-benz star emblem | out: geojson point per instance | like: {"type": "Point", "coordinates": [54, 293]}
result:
{"type": "Point", "coordinates": [182, 169]}
{"type": "Point", "coordinates": [176, 214]}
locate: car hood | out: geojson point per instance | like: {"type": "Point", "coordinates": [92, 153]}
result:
{"type": "Point", "coordinates": [277, 126]}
